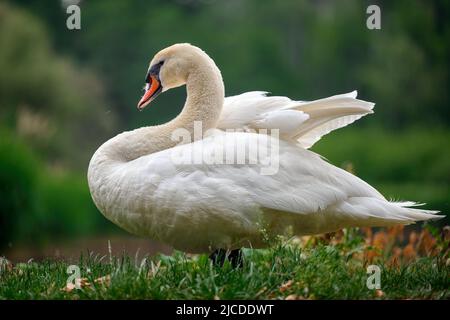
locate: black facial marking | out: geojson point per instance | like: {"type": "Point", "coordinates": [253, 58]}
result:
{"type": "Point", "coordinates": [154, 71]}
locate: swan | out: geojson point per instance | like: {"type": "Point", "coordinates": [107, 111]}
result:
{"type": "Point", "coordinates": [202, 207]}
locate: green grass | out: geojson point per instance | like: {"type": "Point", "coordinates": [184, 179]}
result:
{"type": "Point", "coordinates": [317, 272]}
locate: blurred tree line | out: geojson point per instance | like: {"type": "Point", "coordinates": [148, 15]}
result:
{"type": "Point", "coordinates": [64, 92]}
{"type": "Point", "coordinates": [301, 49]}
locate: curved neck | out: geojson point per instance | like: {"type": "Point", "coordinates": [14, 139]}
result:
{"type": "Point", "coordinates": [205, 96]}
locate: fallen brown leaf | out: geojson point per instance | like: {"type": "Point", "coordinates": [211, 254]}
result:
{"type": "Point", "coordinates": [379, 293]}
{"type": "Point", "coordinates": [105, 280]}
{"type": "Point", "coordinates": [83, 282]}
{"type": "Point", "coordinates": [285, 286]}
{"type": "Point", "coordinates": [260, 292]}
{"type": "Point", "coordinates": [69, 287]}
{"type": "Point", "coordinates": [154, 268]}
{"type": "Point", "coordinates": [79, 284]}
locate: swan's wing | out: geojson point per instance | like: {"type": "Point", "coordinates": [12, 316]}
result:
{"type": "Point", "coordinates": [303, 121]}
{"type": "Point", "coordinates": [330, 114]}
{"type": "Point", "coordinates": [241, 110]}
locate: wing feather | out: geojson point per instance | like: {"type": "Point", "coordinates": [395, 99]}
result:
{"type": "Point", "coordinates": [303, 121]}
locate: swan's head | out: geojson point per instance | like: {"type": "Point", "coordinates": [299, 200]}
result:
{"type": "Point", "coordinates": [169, 69]}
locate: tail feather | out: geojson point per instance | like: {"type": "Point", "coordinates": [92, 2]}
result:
{"type": "Point", "coordinates": [373, 212]}
{"type": "Point", "coordinates": [409, 211]}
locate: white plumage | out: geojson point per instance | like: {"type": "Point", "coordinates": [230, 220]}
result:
{"type": "Point", "coordinates": [304, 121]}
{"type": "Point", "coordinates": [198, 207]}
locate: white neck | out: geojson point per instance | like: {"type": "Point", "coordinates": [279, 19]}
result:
{"type": "Point", "coordinates": [205, 96]}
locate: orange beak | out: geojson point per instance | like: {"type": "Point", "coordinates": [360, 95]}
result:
{"type": "Point", "coordinates": [152, 90]}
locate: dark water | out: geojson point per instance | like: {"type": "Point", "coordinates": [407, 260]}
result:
{"type": "Point", "coordinates": [71, 250]}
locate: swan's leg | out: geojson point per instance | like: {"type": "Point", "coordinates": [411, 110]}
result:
{"type": "Point", "coordinates": [234, 256]}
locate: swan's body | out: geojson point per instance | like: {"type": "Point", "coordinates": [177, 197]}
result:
{"type": "Point", "coordinates": [136, 183]}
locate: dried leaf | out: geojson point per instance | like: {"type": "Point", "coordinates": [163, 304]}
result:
{"type": "Point", "coordinates": [379, 293]}
{"type": "Point", "coordinates": [153, 269]}
{"type": "Point", "coordinates": [82, 283]}
{"type": "Point", "coordinates": [291, 297]}
{"type": "Point", "coordinates": [370, 254]}
{"type": "Point", "coordinates": [105, 280]}
{"type": "Point", "coordinates": [395, 233]}
{"type": "Point", "coordinates": [409, 252]}
{"type": "Point", "coordinates": [79, 284]}
{"type": "Point", "coordinates": [285, 286]}
{"type": "Point", "coordinates": [427, 244]}
{"type": "Point", "coordinates": [69, 287]}
{"type": "Point", "coordinates": [260, 292]}
{"type": "Point", "coordinates": [394, 261]}
{"type": "Point", "coordinates": [380, 240]}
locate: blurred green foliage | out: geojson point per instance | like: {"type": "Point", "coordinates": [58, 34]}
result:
{"type": "Point", "coordinates": [38, 204]}
{"type": "Point", "coordinates": [298, 48]}
{"type": "Point", "coordinates": [46, 98]}
{"type": "Point", "coordinates": [63, 92]}
{"type": "Point", "coordinates": [418, 155]}
{"type": "Point", "coordinates": [17, 183]}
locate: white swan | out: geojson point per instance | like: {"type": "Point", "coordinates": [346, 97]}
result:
{"type": "Point", "coordinates": [135, 182]}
